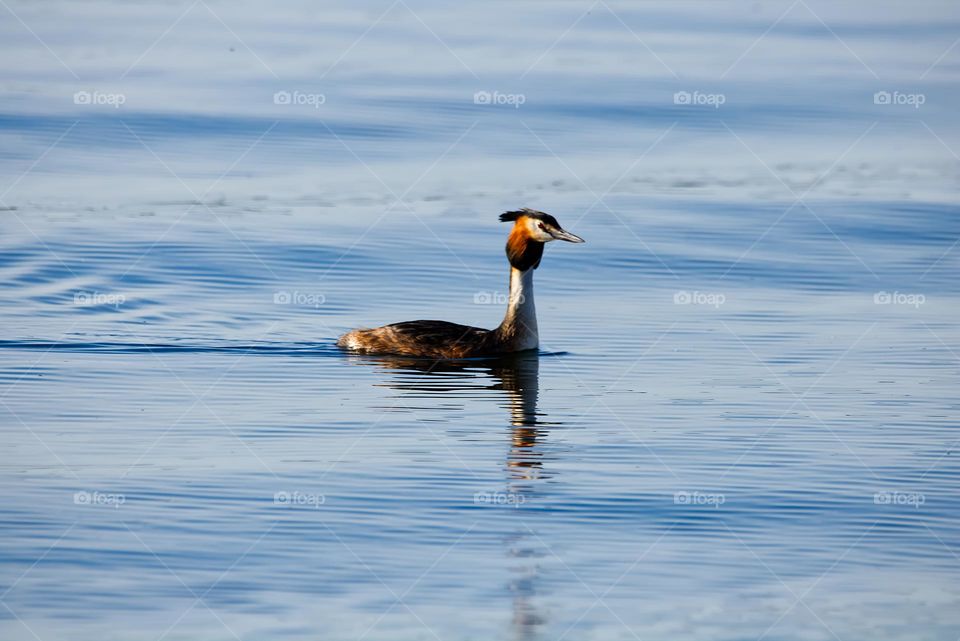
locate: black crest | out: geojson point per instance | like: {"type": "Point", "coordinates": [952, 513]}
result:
{"type": "Point", "coordinates": [510, 216]}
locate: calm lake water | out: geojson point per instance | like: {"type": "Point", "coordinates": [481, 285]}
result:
{"type": "Point", "coordinates": [743, 419]}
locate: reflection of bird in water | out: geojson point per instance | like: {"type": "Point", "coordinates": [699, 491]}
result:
{"type": "Point", "coordinates": [518, 376]}
{"type": "Point", "coordinates": [520, 379]}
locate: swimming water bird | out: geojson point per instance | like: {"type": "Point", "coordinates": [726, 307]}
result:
{"type": "Point", "coordinates": [518, 331]}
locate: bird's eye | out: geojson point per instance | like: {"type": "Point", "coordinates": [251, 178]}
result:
{"type": "Point", "coordinates": [540, 225]}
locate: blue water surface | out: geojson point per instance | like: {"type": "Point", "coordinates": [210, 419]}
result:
{"type": "Point", "coordinates": [742, 419]}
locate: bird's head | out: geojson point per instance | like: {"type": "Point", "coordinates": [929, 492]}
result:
{"type": "Point", "coordinates": [531, 230]}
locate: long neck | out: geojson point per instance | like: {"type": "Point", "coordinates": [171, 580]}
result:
{"type": "Point", "coordinates": [519, 325]}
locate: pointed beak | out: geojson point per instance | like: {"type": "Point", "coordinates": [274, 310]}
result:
{"type": "Point", "coordinates": [562, 234]}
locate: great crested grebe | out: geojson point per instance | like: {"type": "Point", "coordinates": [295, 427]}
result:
{"type": "Point", "coordinates": [518, 331]}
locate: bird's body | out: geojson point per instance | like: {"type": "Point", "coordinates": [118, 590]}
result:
{"type": "Point", "coordinates": [518, 331]}
{"type": "Point", "coordinates": [426, 339]}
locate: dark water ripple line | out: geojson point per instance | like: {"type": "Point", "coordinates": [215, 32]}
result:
{"type": "Point", "coordinates": [275, 349]}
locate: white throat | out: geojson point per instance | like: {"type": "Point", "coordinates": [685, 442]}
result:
{"type": "Point", "coordinates": [521, 318]}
